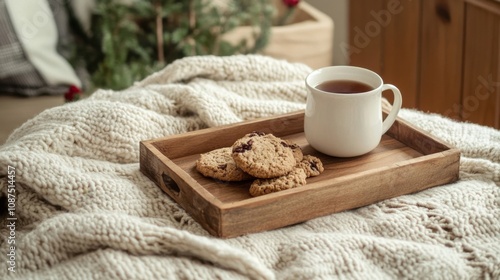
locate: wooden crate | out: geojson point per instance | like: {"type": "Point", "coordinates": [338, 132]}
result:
{"type": "Point", "coordinates": [307, 39]}
{"type": "Point", "coordinates": [407, 160]}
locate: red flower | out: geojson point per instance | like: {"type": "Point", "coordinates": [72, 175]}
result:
{"type": "Point", "coordinates": [73, 94]}
{"type": "Point", "coordinates": [291, 6]}
{"type": "Point", "coordinates": [291, 3]}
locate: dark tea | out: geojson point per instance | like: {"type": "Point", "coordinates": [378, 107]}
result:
{"type": "Point", "coordinates": [344, 86]}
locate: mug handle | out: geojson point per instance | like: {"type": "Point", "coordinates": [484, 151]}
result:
{"type": "Point", "coordinates": [389, 120]}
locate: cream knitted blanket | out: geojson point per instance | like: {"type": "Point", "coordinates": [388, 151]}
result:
{"type": "Point", "coordinates": [84, 210]}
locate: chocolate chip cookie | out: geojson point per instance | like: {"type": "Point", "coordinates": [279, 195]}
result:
{"type": "Point", "coordinates": [311, 165]}
{"type": "Point", "coordinates": [297, 151]}
{"type": "Point", "coordinates": [219, 164]}
{"type": "Point", "coordinates": [263, 155]}
{"type": "Point", "coordinates": [295, 178]}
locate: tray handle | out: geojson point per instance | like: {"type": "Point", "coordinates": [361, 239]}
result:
{"type": "Point", "coordinates": [169, 183]}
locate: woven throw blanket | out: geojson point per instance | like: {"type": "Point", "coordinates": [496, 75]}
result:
{"type": "Point", "coordinates": [84, 210]}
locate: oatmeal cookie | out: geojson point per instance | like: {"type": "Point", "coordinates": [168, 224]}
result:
{"type": "Point", "coordinates": [311, 165]}
{"type": "Point", "coordinates": [263, 155]}
{"type": "Point", "coordinates": [295, 178]}
{"type": "Point", "coordinates": [297, 151]}
{"type": "Point", "coordinates": [219, 164]}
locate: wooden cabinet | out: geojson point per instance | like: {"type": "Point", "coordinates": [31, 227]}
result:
{"type": "Point", "coordinates": [444, 55]}
{"type": "Point", "coordinates": [481, 75]}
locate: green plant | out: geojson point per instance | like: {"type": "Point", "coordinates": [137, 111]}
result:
{"type": "Point", "coordinates": [130, 41]}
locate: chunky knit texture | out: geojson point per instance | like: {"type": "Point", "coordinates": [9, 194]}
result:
{"type": "Point", "coordinates": [85, 211]}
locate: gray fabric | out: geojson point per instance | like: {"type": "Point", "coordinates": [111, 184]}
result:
{"type": "Point", "coordinates": [17, 74]}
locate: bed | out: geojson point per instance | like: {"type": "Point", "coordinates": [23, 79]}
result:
{"type": "Point", "coordinates": [78, 206]}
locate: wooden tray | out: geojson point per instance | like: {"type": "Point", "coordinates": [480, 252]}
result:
{"type": "Point", "coordinates": [407, 160]}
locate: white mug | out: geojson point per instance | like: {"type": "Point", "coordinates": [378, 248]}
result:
{"type": "Point", "coordinates": [347, 124]}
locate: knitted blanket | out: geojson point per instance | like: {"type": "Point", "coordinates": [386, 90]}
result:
{"type": "Point", "coordinates": [83, 210]}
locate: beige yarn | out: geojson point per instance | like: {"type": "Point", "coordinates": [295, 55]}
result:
{"type": "Point", "coordinates": [85, 211]}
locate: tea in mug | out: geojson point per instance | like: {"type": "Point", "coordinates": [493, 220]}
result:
{"type": "Point", "coordinates": [344, 86]}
